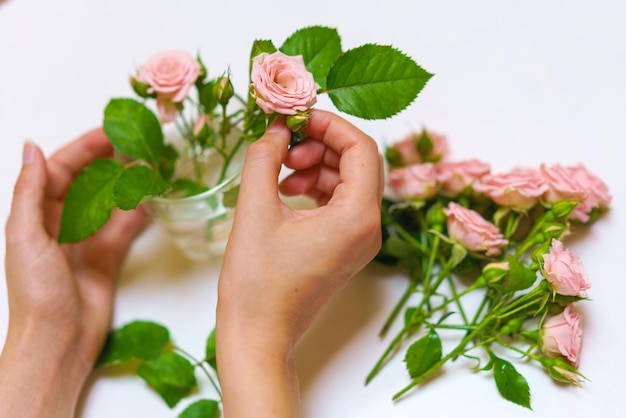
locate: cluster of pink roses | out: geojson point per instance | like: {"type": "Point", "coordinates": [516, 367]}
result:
{"type": "Point", "coordinates": [420, 175]}
{"type": "Point", "coordinates": [420, 171]}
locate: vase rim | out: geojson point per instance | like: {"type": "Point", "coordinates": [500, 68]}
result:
{"type": "Point", "coordinates": [199, 196]}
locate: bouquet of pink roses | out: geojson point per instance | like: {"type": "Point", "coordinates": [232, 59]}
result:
{"type": "Point", "coordinates": [486, 263]}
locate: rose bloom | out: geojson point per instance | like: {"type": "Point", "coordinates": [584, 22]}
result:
{"type": "Point", "coordinates": [454, 177]}
{"type": "Point", "coordinates": [170, 74]}
{"type": "Point", "coordinates": [597, 192]}
{"type": "Point", "coordinates": [519, 188]}
{"type": "Point", "coordinates": [415, 181]}
{"type": "Point", "coordinates": [561, 184]}
{"type": "Point", "coordinates": [564, 271]}
{"type": "Point", "coordinates": [468, 228]}
{"type": "Point", "coordinates": [282, 84]}
{"type": "Point", "coordinates": [561, 335]}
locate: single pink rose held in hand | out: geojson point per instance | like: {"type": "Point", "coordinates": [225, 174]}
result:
{"type": "Point", "coordinates": [564, 271]}
{"type": "Point", "coordinates": [469, 229]}
{"type": "Point", "coordinates": [561, 335]}
{"type": "Point", "coordinates": [282, 84]}
{"type": "Point", "coordinates": [170, 74]}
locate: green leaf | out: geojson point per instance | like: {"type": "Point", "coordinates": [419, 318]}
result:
{"type": "Point", "coordinates": [259, 46]}
{"type": "Point", "coordinates": [167, 165]}
{"type": "Point", "coordinates": [511, 385]}
{"type": "Point", "coordinates": [423, 354]}
{"type": "Point", "coordinates": [135, 340]}
{"type": "Point", "coordinates": [520, 277]}
{"type": "Point", "coordinates": [171, 375]}
{"type": "Point", "coordinates": [398, 248]}
{"type": "Point", "coordinates": [135, 184]}
{"type": "Point", "coordinates": [205, 95]}
{"type": "Point", "coordinates": [230, 197]}
{"type": "Point", "coordinates": [133, 129]}
{"type": "Point", "coordinates": [204, 408]}
{"type": "Point", "coordinates": [425, 145]}
{"type": "Point", "coordinates": [89, 201]}
{"type": "Point", "coordinates": [211, 353]}
{"type": "Point", "coordinates": [319, 46]}
{"type": "Point", "coordinates": [375, 81]}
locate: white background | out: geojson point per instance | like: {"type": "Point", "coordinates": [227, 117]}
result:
{"type": "Point", "coordinates": [517, 83]}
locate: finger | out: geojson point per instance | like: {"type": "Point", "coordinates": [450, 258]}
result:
{"type": "Point", "coordinates": [311, 153]}
{"type": "Point", "coordinates": [65, 164]}
{"type": "Point", "coordinates": [359, 166]}
{"type": "Point", "coordinates": [319, 179]}
{"type": "Point", "coordinates": [264, 158]}
{"type": "Point", "coordinates": [26, 218]}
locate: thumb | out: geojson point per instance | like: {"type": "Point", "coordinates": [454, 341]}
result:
{"type": "Point", "coordinates": [27, 219]}
{"type": "Point", "coordinates": [259, 178]}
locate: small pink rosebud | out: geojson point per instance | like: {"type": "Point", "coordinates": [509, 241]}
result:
{"type": "Point", "coordinates": [223, 90]}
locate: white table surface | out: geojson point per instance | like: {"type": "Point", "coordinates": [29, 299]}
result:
{"type": "Point", "coordinates": [516, 83]}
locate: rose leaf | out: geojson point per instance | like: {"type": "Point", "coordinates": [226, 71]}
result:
{"type": "Point", "coordinates": [135, 184]}
{"type": "Point", "coordinates": [133, 129]}
{"type": "Point", "coordinates": [170, 374]}
{"type": "Point", "coordinates": [89, 201]}
{"type": "Point", "coordinates": [135, 340]}
{"type": "Point", "coordinates": [375, 81]}
{"type": "Point", "coordinates": [319, 46]}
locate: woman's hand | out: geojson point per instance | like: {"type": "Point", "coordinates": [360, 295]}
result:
{"type": "Point", "coordinates": [60, 296]}
{"type": "Point", "coordinates": [282, 266]}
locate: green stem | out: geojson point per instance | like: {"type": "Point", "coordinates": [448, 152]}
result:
{"type": "Point", "coordinates": [392, 346]}
{"type": "Point", "coordinates": [396, 310]}
{"type": "Point", "coordinates": [457, 351]}
{"type": "Point", "coordinates": [201, 365]}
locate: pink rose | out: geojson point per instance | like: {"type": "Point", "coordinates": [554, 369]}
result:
{"type": "Point", "coordinates": [454, 177]}
{"type": "Point", "coordinates": [561, 185]}
{"type": "Point", "coordinates": [170, 74]}
{"type": "Point", "coordinates": [598, 196]}
{"type": "Point", "coordinates": [561, 335]}
{"type": "Point", "coordinates": [415, 181]}
{"type": "Point", "coordinates": [519, 189]}
{"type": "Point", "coordinates": [468, 228]}
{"type": "Point", "coordinates": [408, 148]}
{"type": "Point", "coordinates": [564, 271]}
{"type": "Point", "coordinates": [282, 84]}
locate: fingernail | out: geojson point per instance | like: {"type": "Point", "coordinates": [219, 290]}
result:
{"type": "Point", "coordinates": [276, 126]}
{"type": "Point", "coordinates": [28, 152]}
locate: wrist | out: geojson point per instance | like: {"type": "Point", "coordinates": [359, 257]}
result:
{"type": "Point", "coordinates": [256, 367]}
{"type": "Point", "coordinates": [36, 362]}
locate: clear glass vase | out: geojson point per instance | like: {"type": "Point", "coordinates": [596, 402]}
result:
{"type": "Point", "coordinates": [200, 224]}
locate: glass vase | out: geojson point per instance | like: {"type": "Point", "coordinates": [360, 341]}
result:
{"type": "Point", "coordinates": [200, 224]}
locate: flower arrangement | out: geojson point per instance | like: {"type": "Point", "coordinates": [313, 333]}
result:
{"type": "Point", "coordinates": [486, 262]}
{"type": "Point", "coordinates": [213, 122]}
